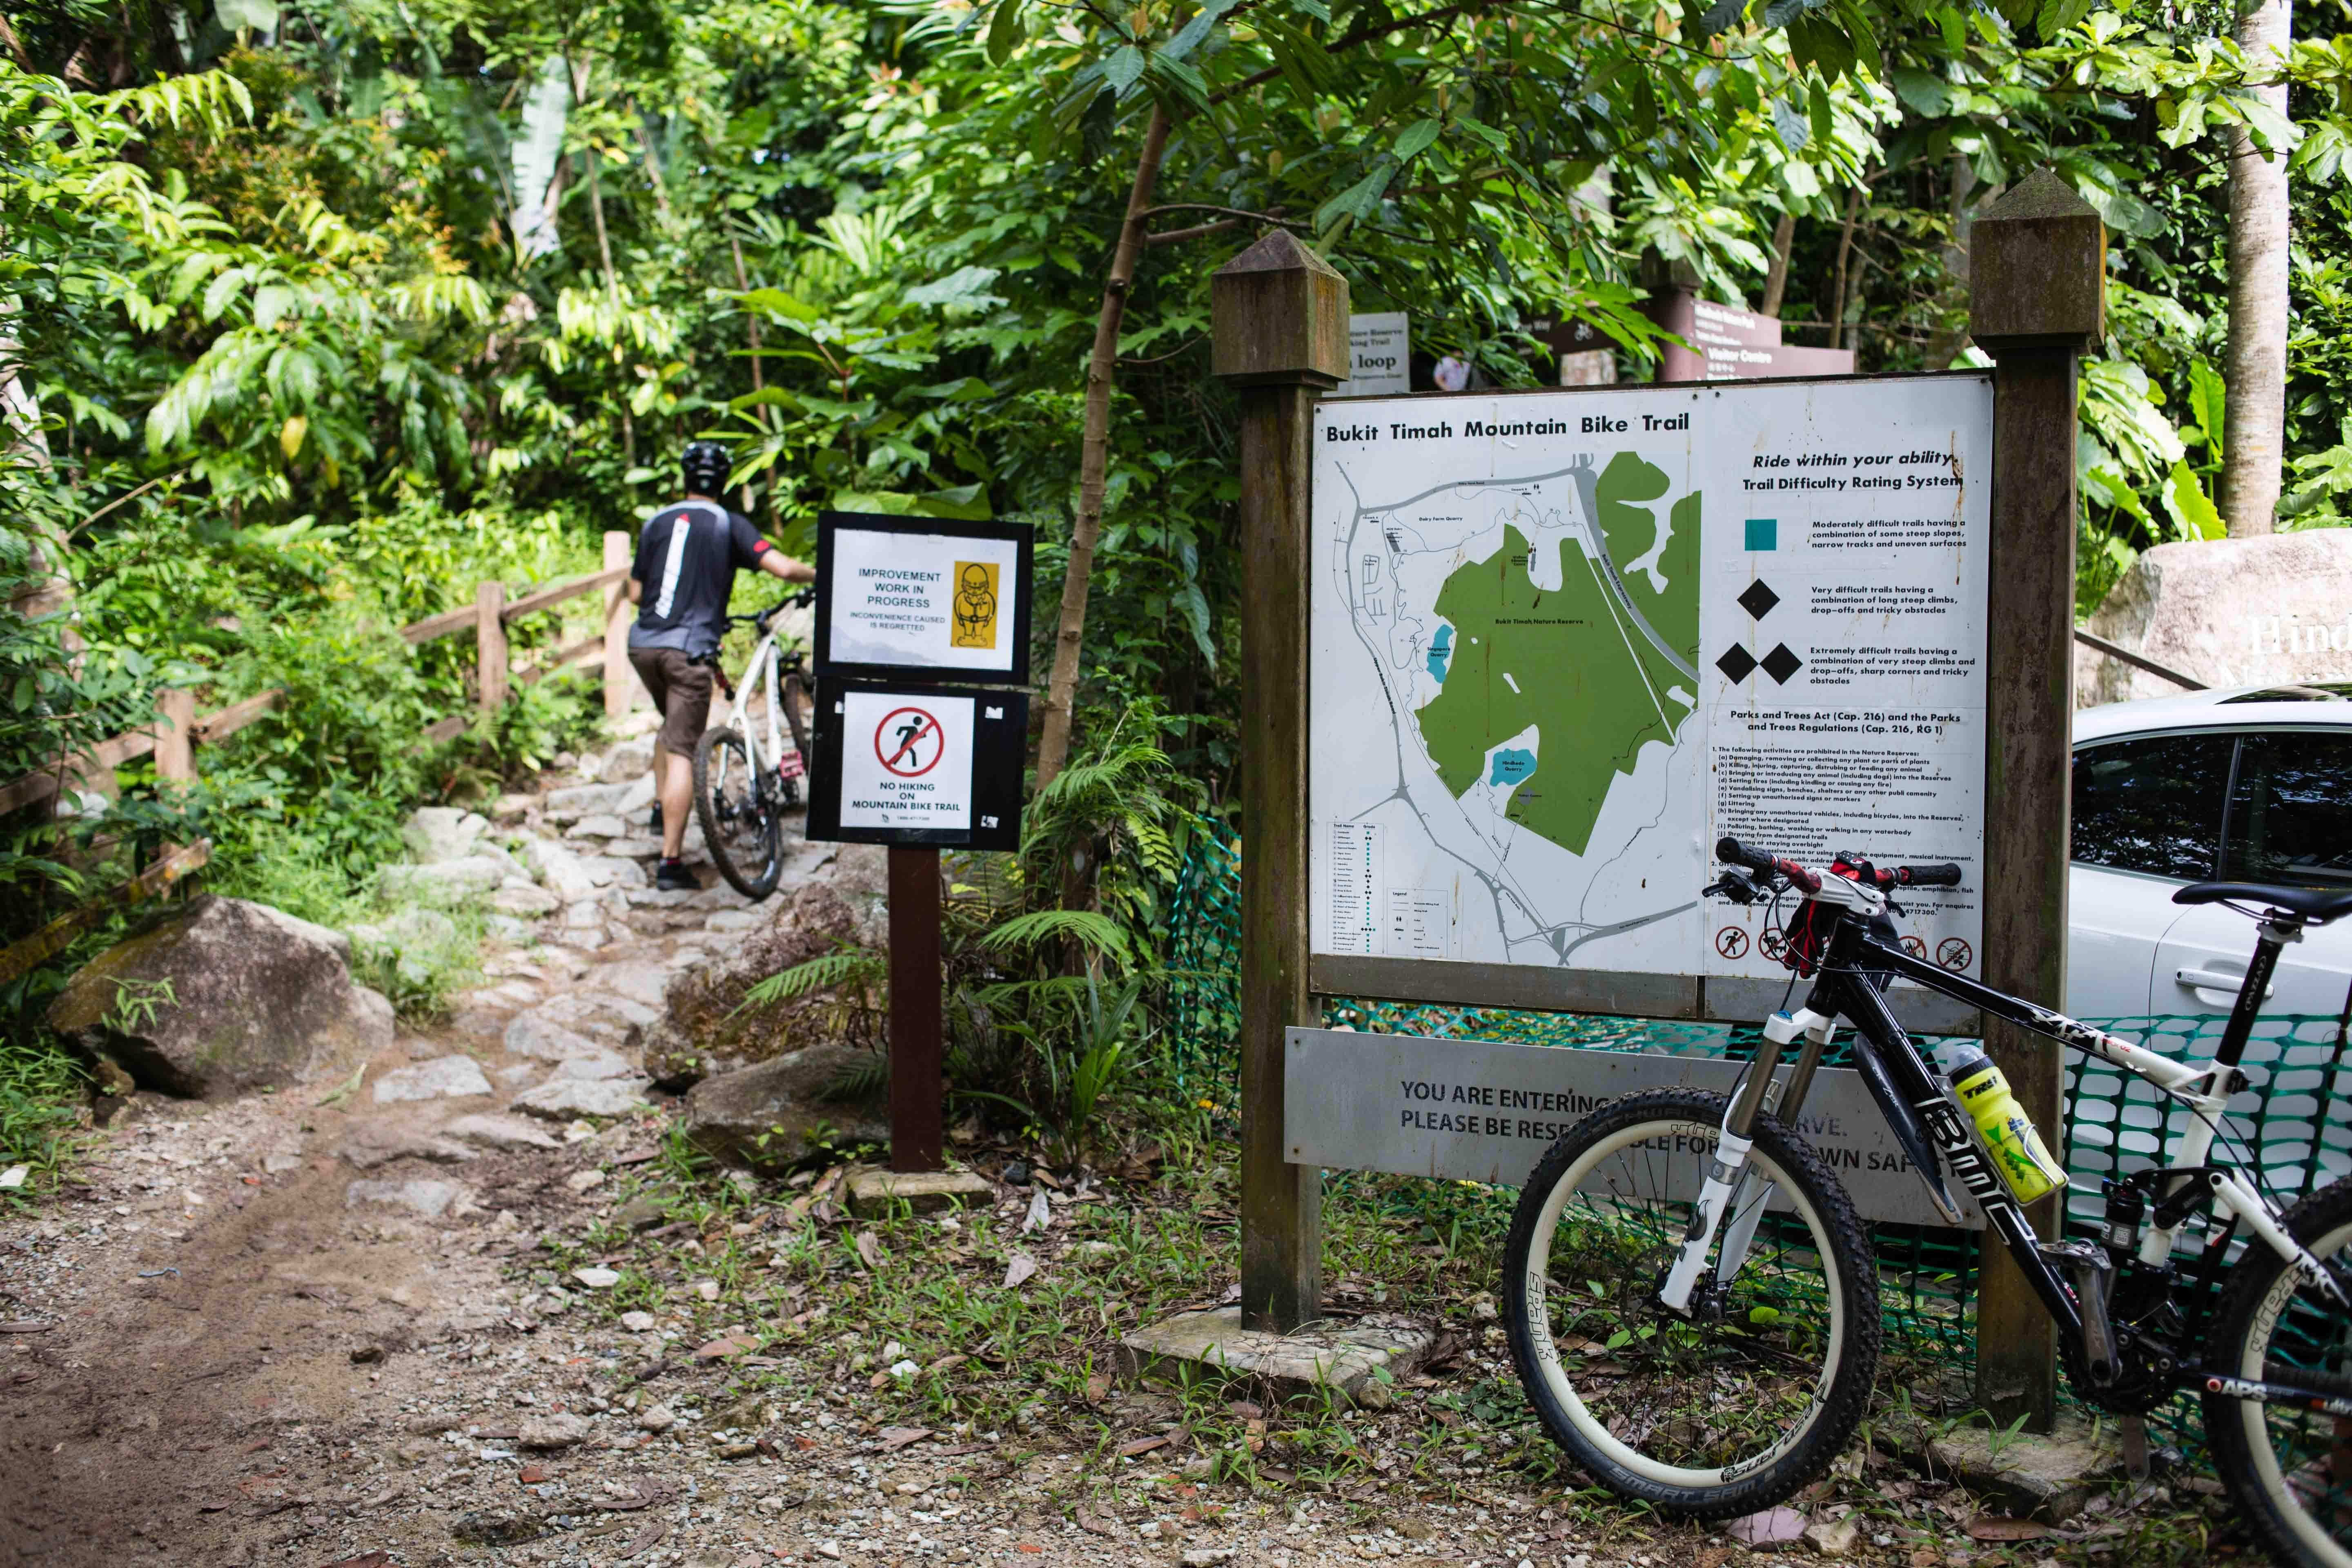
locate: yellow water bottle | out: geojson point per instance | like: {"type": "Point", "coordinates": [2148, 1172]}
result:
{"type": "Point", "coordinates": [2008, 1135]}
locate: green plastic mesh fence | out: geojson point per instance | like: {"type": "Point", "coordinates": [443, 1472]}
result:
{"type": "Point", "coordinates": [2293, 1124]}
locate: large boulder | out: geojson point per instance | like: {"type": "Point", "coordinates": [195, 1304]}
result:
{"type": "Point", "coordinates": [705, 1025]}
{"type": "Point", "coordinates": [223, 997]}
{"type": "Point", "coordinates": [2230, 612]}
{"type": "Point", "coordinates": [760, 1116]}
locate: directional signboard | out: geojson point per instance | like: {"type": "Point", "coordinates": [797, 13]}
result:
{"type": "Point", "coordinates": [922, 596]}
{"type": "Point", "coordinates": [917, 764]}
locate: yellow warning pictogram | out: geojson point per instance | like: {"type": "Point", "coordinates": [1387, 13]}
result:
{"type": "Point", "coordinates": [976, 605]}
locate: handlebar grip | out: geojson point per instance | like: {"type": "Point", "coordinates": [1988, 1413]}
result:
{"type": "Point", "coordinates": [1944, 876]}
{"type": "Point", "coordinates": [1732, 852]}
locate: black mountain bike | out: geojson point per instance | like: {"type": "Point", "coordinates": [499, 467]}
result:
{"type": "Point", "coordinates": [1693, 1302]}
{"type": "Point", "coordinates": [744, 779]}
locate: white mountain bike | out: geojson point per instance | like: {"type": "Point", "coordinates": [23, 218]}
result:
{"type": "Point", "coordinates": [745, 775]}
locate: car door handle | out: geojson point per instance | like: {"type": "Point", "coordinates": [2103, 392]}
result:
{"type": "Point", "coordinates": [2214, 979]}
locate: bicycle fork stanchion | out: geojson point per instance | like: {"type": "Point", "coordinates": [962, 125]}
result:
{"type": "Point", "coordinates": [918, 1089]}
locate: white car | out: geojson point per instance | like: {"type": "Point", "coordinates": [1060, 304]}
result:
{"type": "Point", "coordinates": [2252, 785]}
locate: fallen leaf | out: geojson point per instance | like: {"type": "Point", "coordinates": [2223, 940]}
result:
{"type": "Point", "coordinates": [897, 1438]}
{"type": "Point", "coordinates": [1041, 1213]}
{"type": "Point", "coordinates": [1095, 1524]}
{"type": "Point", "coordinates": [654, 1531]}
{"type": "Point", "coordinates": [1097, 1386]}
{"type": "Point", "coordinates": [728, 1345]}
{"type": "Point", "coordinates": [1769, 1528]}
{"type": "Point", "coordinates": [1244, 1410]}
{"type": "Point", "coordinates": [1145, 1445]}
{"type": "Point", "coordinates": [1029, 1546]}
{"type": "Point", "coordinates": [948, 1362]}
{"type": "Point", "coordinates": [533, 1474]}
{"type": "Point", "coordinates": [637, 1156]}
{"type": "Point", "coordinates": [1021, 1267]}
{"type": "Point", "coordinates": [869, 1251]}
{"type": "Point", "coordinates": [365, 1560]}
{"type": "Point", "coordinates": [1988, 1527]}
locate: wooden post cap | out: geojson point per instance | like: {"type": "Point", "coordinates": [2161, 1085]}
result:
{"type": "Point", "coordinates": [2038, 269]}
{"type": "Point", "coordinates": [1279, 315]}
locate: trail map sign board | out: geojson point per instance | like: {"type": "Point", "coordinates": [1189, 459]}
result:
{"type": "Point", "coordinates": [1564, 640]}
{"type": "Point", "coordinates": [908, 764]}
{"type": "Point", "coordinates": [905, 595]}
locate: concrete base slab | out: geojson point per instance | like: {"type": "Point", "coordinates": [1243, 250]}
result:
{"type": "Point", "coordinates": [2049, 1479]}
{"type": "Point", "coordinates": [1346, 1358]}
{"type": "Point", "coordinates": [871, 1192]}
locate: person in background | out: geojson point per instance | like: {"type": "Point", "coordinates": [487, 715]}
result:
{"type": "Point", "coordinates": [687, 560]}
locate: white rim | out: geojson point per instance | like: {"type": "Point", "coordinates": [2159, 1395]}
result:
{"type": "Point", "coordinates": [2253, 1411]}
{"type": "Point", "coordinates": [1539, 1317]}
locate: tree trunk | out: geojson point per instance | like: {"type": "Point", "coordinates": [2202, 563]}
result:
{"type": "Point", "coordinates": [2254, 427]}
{"type": "Point", "coordinates": [1776, 281]}
{"type": "Point", "coordinates": [1846, 250]}
{"type": "Point", "coordinates": [1093, 463]}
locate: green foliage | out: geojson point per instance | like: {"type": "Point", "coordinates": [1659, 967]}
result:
{"type": "Point", "coordinates": [40, 1083]}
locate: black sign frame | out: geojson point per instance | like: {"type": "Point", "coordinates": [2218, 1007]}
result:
{"type": "Point", "coordinates": [1020, 535]}
{"type": "Point", "coordinates": [999, 749]}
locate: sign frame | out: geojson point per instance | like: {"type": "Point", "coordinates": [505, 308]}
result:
{"type": "Point", "coordinates": [999, 755]}
{"type": "Point", "coordinates": [1022, 535]}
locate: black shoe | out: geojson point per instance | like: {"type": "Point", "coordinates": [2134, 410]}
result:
{"type": "Point", "coordinates": [656, 822]}
{"type": "Point", "coordinates": [674, 877]}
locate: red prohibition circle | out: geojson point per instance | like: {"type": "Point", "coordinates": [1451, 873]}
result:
{"type": "Point", "coordinates": [1915, 947]}
{"type": "Point", "coordinates": [1732, 941]}
{"type": "Point", "coordinates": [1953, 954]}
{"type": "Point", "coordinates": [890, 758]}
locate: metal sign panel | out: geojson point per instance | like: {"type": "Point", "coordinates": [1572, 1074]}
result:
{"type": "Point", "coordinates": [1564, 640]}
{"type": "Point", "coordinates": [914, 598]}
{"type": "Point", "coordinates": [1380, 355]}
{"type": "Point", "coordinates": [1481, 1111]}
{"type": "Point", "coordinates": [896, 763]}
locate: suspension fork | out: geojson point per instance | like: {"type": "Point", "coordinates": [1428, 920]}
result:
{"type": "Point", "coordinates": [1728, 1177]}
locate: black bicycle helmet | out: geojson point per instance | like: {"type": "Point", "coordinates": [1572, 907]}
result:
{"type": "Point", "coordinates": [705, 466]}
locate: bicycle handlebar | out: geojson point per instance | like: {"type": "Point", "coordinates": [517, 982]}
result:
{"type": "Point", "coordinates": [1732, 852]}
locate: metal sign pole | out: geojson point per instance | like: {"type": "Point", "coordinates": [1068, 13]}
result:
{"type": "Point", "coordinates": [1280, 335]}
{"type": "Point", "coordinates": [2037, 265]}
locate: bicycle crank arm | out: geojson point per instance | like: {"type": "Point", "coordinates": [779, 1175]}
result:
{"type": "Point", "coordinates": [2337, 1404]}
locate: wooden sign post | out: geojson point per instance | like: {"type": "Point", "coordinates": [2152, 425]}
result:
{"type": "Point", "coordinates": [917, 1086]}
{"type": "Point", "coordinates": [2037, 270]}
{"type": "Point", "coordinates": [1280, 336]}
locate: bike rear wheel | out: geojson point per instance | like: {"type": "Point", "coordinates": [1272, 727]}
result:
{"type": "Point", "coordinates": [2290, 1470]}
{"type": "Point", "coordinates": [741, 826]}
{"type": "Point", "coordinates": [1736, 1407]}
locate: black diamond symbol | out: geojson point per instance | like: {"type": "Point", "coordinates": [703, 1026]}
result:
{"type": "Point", "coordinates": [1736, 663]}
{"type": "Point", "coordinates": [1780, 664]}
{"type": "Point", "coordinates": [1759, 600]}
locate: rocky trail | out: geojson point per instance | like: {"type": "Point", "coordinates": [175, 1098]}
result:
{"type": "Point", "coordinates": [453, 1294]}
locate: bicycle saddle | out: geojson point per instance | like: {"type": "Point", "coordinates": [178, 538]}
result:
{"type": "Point", "coordinates": [2318, 905]}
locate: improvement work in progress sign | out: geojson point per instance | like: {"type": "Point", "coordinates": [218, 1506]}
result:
{"type": "Point", "coordinates": [1563, 640]}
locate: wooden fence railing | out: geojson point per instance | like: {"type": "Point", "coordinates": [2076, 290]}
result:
{"type": "Point", "coordinates": [178, 729]}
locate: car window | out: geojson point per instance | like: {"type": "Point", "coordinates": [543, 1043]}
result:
{"type": "Point", "coordinates": [2152, 805]}
{"type": "Point", "coordinates": [2291, 813]}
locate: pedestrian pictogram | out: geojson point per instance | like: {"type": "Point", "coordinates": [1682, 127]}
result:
{"type": "Point", "coordinates": [1732, 941]}
{"type": "Point", "coordinates": [909, 742]}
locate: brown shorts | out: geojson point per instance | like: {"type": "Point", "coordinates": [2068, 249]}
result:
{"type": "Point", "coordinates": [682, 692]}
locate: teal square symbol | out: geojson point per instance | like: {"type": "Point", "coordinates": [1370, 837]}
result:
{"type": "Point", "coordinates": [1763, 534]}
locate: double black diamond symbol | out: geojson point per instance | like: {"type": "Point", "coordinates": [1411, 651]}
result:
{"type": "Point", "coordinates": [1738, 664]}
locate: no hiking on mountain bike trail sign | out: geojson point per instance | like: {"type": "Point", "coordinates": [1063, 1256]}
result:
{"type": "Point", "coordinates": [907, 764]}
{"type": "Point", "coordinates": [1564, 640]}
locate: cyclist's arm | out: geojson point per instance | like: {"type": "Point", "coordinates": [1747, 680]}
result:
{"type": "Point", "coordinates": [776, 564]}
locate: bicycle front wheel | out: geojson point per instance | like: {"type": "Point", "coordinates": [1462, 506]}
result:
{"type": "Point", "coordinates": [1737, 1404]}
{"type": "Point", "coordinates": [740, 825]}
{"type": "Point", "coordinates": [2290, 1470]}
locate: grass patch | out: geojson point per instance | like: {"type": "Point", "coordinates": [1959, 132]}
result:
{"type": "Point", "coordinates": [41, 1087]}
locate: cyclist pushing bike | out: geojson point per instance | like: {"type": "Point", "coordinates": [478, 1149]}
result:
{"type": "Point", "coordinates": [685, 571]}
